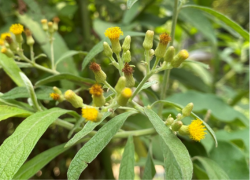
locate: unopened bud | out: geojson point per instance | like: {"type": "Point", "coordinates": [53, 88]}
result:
{"type": "Point", "coordinates": [148, 41]}
{"type": "Point", "coordinates": [7, 52]}
{"type": "Point", "coordinates": [184, 130]}
{"type": "Point", "coordinates": [100, 76]}
{"type": "Point", "coordinates": [74, 99]}
{"type": "Point", "coordinates": [97, 95]}
{"type": "Point", "coordinates": [51, 28]}
{"type": "Point", "coordinates": [107, 50]}
{"type": "Point", "coordinates": [124, 96]}
{"type": "Point", "coordinates": [44, 24]}
{"type": "Point", "coordinates": [179, 117]}
{"type": "Point", "coordinates": [56, 90]}
{"type": "Point", "coordinates": [151, 52]}
{"type": "Point", "coordinates": [186, 111]}
{"type": "Point", "coordinates": [169, 121]}
{"type": "Point", "coordinates": [127, 56]}
{"type": "Point", "coordinates": [176, 125]}
{"type": "Point", "coordinates": [161, 48]}
{"type": "Point", "coordinates": [128, 73]}
{"type": "Point", "coordinates": [126, 43]}
{"type": "Point", "coordinates": [55, 24]}
{"type": "Point", "coordinates": [179, 58]}
{"type": "Point", "coordinates": [120, 85]}
{"type": "Point", "coordinates": [98, 101]}
{"type": "Point", "coordinates": [169, 56]}
{"type": "Point", "coordinates": [30, 40]}
{"type": "Point", "coordinates": [11, 43]}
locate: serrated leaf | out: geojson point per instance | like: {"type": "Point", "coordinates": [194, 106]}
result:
{"type": "Point", "coordinates": [16, 148]}
{"type": "Point", "coordinates": [223, 18]}
{"type": "Point", "coordinates": [213, 170]}
{"type": "Point", "coordinates": [89, 126]}
{"type": "Point", "coordinates": [192, 114]}
{"type": "Point", "coordinates": [8, 111]}
{"type": "Point", "coordinates": [180, 166]}
{"type": "Point", "coordinates": [69, 54]}
{"type": "Point", "coordinates": [130, 3]}
{"type": "Point", "coordinates": [99, 47]}
{"type": "Point", "coordinates": [10, 67]}
{"type": "Point", "coordinates": [31, 167]}
{"type": "Point", "coordinates": [65, 76]}
{"type": "Point", "coordinates": [149, 171]}
{"type": "Point", "coordinates": [95, 145]}
{"type": "Point", "coordinates": [126, 170]}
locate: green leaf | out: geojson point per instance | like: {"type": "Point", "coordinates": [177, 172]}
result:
{"type": "Point", "coordinates": [31, 167]}
{"type": "Point", "coordinates": [16, 148]}
{"type": "Point", "coordinates": [70, 77]}
{"type": "Point", "coordinates": [10, 67]}
{"type": "Point", "coordinates": [128, 160]}
{"type": "Point", "coordinates": [99, 47]}
{"type": "Point", "coordinates": [95, 145]}
{"type": "Point", "coordinates": [223, 18]}
{"type": "Point", "coordinates": [148, 84]}
{"type": "Point", "coordinates": [178, 164]}
{"type": "Point", "coordinates": [130, 14]}
{"type": "Point", "coordinates": [8, 111]}
{"type": "Point", "coordinates": [199, 172]}
{"type": "Point", "coordinates": [149, 171]}
{"type": "Point", "coordinates": [89, 126]}
{"type": "Point", "coordinates": [192, 114]}
{"type": "Point", "coordinates": [213, 170]}
{"type": "Point", "coordinates": [69, 54]}
{"type": "Point", "coordinates": [204, 101]}
{"type": "Point", "coordinates": [231, 159]}
{"type": "Point", "coordinates": [130, 3]}
{"type": "Point", "coordinates": [206, 66]}
{"type": "Point", "coordinates": [18, 104]}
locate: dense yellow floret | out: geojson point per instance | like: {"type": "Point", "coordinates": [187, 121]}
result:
{"type": "Point", "coordinates": [197, 130]}
{"type": "Point", "coordinates": [90, 114]}
{"type": "Point", "coordinates": [113, 33]}
{"type": "Point", "coordinates": [4, 35]}
{"type": "Point", "coordinates": [55, 96]}
{"type": "Point", "coordinates": [16, 29]}
{"type": "Point", "coordinates": [96, 90]}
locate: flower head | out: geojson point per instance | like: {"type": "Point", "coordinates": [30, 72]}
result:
{"type": "Point", "coordinates": [55, 96]}
{"type": "Point", "coordinates": [197, 130]}
{"type": "Point", "coordinates": [165, 38]}
{"type": "Point", "coordinates": [127, 92]}
{"type": "Point", "coordinates": [4, 35]}
{"type": "Point", "coordinates": [1, 42]}
{"type": "Point", "coordinates": [16, 29]}
{"type": "Point", "coordinates": [113, 33]}
{"type": "Point", "coordinates": [90, 113]}
{"type": "Point", "coordinates": [128, 70]}
{"type": "Point", "coordinates": [96, 90]}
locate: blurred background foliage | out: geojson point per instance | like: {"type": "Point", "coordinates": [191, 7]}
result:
{"type": "Point", "coordinates": [219, 93]}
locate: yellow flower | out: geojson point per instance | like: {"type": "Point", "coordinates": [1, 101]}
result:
{"type": "Point", "coordinates": [113, 33]}
{"type": "Point", "coordinates": [197, 130]}
{"type": "Point", "coordinates": [4, 50]}
{"type": "Point", "coordinates": [16, 29]}
{"type": "Point", "coordinates": [127, 92]}
{"type": "Point", "coordinates": [4, 35]}
{"type": "Point", "coordinates": [1, 42]}
{"type": "Point", "coordinates": [165, 38]}
{"type": "Point", "coordinates": [90, 113]}
{"type": "Point", "coordinates": [55, 96]}
{"type": "Point", "coordinates": [96, 90]}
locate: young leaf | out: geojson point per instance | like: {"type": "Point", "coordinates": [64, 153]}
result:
{"type": "Point", "coordinates": [10, 67]}
{"type": "Point", "coordinates": [95, 145]}
{"type": "Point", "coordinates": [148, 84]}
{"type": "Point", "coordinates": [31, 167]}
{"type": "Point", "coordinates": [70, 77]}
{"type": "Point", "coordinates": [192, 114]}
{"type": "Point", "coordinates": [8, 111]}
{"type": "Point", "coordinates": [223, 18]}
{"type": "Point", "coordinates": [16, 148]}
{"type": "Point", "coordinates": [130, 3]}
{"type": "Point", "coordinates": [178, 164]}
{"type": "Point", "coordinates": [213, 170]}
{"type": "Point", "coordinates": [149, 171]}
{"type": "Point", "coordinates": [128, 160]}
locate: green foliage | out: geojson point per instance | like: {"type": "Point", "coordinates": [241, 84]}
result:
{"type": "Point", "coordinates": [149, 171]}
{"type": "Point", "coordinates": [8, 111]}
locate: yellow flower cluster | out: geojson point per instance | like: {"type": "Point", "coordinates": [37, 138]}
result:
{"type": "Point", "coordinates": [16, 29]}
{"type": "Point", "coordinates": [55, 96]}
{"type": "Point", "coordinates": [90, 113]}
{"type": "Point", "coordinates": [96, 90]}
{"type": "Point", "coordinates": [4, 35]}
{"type": "Point", "coordinates": [113, 33]}
{"type": "Point", "coordinates": [197, 130]}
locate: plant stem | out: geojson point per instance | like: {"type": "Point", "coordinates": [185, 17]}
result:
{"type": "Point", "coordinates": [147, 58]}
{"type": "Point", "coordinates": [52, 54]}
{"type": "Point", "coordinates": [120, 64]}
{"type": "Point", "coordinates": [156, 62]}
{"type": "Point", "coordinates": [109, 86]}
{"type": "Point", "coordinates": [32, 53]}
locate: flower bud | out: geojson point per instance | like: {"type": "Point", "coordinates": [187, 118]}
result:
{"type": "Point", "coordinates": [11, 43]}
{"type": "Point", "coordinates": [97, 95]}
{"type": "Point", "coordinates": [30, 40]}
{"type": "Point", "coordinates": [44, 24]}
{"type": "Point", "coordinates": [74, 99]}
{"type": "Point", "coordinates": [179, 58]}
{"type": "Point", "coordinates": [169, 121]}
{"type": "Point", "coordinates": [169, 56]}
{"type": "Point", "coordinates": [51, 28]}
{"type": "Point", "coordinates": [55, 24]}
{"type": "Point", "coordinates": [120, 85]}
{"type": "Point", "coordinates": [184, 130]}
{"type": "Point", "coordinates": [186, 111]}
{"type": "Point", "coordinates": [91, 114]}
{"type": "Point", "coordinates": [127, 56]}
{"type": "Point", "coordinates": [107, 50]}
{"type": "Point", "coordinates": [161, 48]}
{"type": "Point", "coordinates": [148, 41]}
{"type": "Point", "coordinates": [176, 125]}
{"type": "Point", "coordinates": [113, 34]}
{"type": "Point", "coordinates": [124, 96]}
{"type": "Point", "coordinates": [17, 29]}
{"type": "Point", "coordinates": [126, 43]}
{"type": "Point", "coordinates": [100, 76]}
{"type": "Point", "coordinates": [128, 73]}
{"type": "Point", "coordinates": [179, 117]}
{"type": "Point", "coordinates": [151, 52]}
{"type": "Point", "coordinates": [57, 95]}
{"type": "Point", "coordinates": [7, 52]}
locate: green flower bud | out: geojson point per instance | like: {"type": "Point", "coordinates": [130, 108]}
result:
{"type": "Point", "coordinates": [186, 111]}
{"type": "Point", "coordinates": [179, 117]}
{"type": "Point", "coordinates": [107, 50]}
{"type": "Point", "coordinates": [7, 52]}
{"type": "Point", "coordinates": [179, 58]}
{"type": "Point", "coordinates": [44, 24]}
{"type": "Point", "coordinates": [98, 100]}
{"type": "Point", "coordinates": [30, 40]}
{"type": "Point", "coordinates": [127, 56]}
{"type": "Point", "coordinates": [55, 24]}
{"type": "Point", "coordinates": [51, 28]}
{"type": "Point", "coordinates": [100, 76]}
{"type": "Point", "coordinates": [169, 121]}
{"type": "Point", "coordinates": [151, 52]}
{"type": "Point", "coordinates": [74, 99]}
{"type": "Point", "coordinates": [176, 125]}
{"type": "Point", "coordinates": [116, 46]}
{"type": "Point", "coordinates": [169, 56]}
{"type": "Point", "coordinates": [148, 41]}
{"type": "Point", "coordinates": [11, 43]}
{"type": "Point", "coordinates": [124, 96]}
{"type": "Point", "coordinates": [120, 85]}
{"type": "Point", "coordinates": [161, 48]}
{"type": "Point", "coordinates": [59, 93]}
{"type": "Point", "coordinates": [126, 43]}
{"type": "Point", "coordinates": [128, 73]}
{"type": "Point", "coordinates": [19, 38]}
{"type": "Point", "coordinates": [184, 130]}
